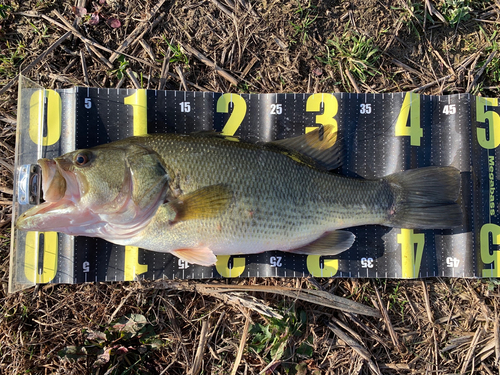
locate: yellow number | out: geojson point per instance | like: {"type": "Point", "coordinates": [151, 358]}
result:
{"type": "Point", "coordinates": [411, 108]}
{"type": "Point", "coordinates": [331, 266]}
{"type": "Point", "coordinates": [139, 103]}
{"type": "Point", "coordinates": [330, 109]}
{"type": "Point", "coordinates": [489, 256]}
{"type": "Point", "coordinates": [223, 267]}
{"type": "Point", "coordinates": [237, 115]}
{"type": "Point", "coordinates": [410, 261]}
{"type": "Point", "coordinates": [132, 265]}
{"type": "Point", "coordinates": [54, 117]}
{"type": "Point", "coordinates": [31, 256]}
{"type": "Point", "coordinates": [493, 123]}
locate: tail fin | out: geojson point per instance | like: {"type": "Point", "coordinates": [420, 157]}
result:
{"type": "Point", "coordinates": [425, 198]}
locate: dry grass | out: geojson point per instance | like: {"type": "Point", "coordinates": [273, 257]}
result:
{"type": "Point", "coordinates": [437, 326]}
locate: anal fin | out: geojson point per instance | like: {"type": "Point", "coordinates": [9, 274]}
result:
{"type": "Point", "coordinates": [331, 243]}
{"type": "Point", "coordinates": [198, 255]}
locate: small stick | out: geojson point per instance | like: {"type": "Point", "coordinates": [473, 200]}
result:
{"type": "Point", "coordinates": [480, 72]}
{"type": "Point", "coordinates": [209, 62]}
{"type": "Point", "coordinates": [430, 84]}
{"type": "Point", "coordinates": [243, 342]}
{"type": "Point", "coordinates": [223, 8]}
{"type": "Point", "coordinates": [6, 190]}
{"type": "Point", "coordinates": [406, 67]}
{"type": "Point", "coordinates": [163, 74]}
{"type": "Point", "coordinates": [89, 41]}
{"type": "Point", "coordinates": [201, 348]}
{"type": "Point", "coordinates": [94, 49]}
{"type": "Point", "coordinates": [181, 76]}
{"type": "Point", "coordinates": [84, 67]}
{"type": "Point", "coordinates": [132, 77]}
{"type": "Point", "coordinates": [385, 315]}
{"type": "Point", "coordinates": [36, 61]}
{"type": "Point", "coordinates": [129, 40]}
{"type": "Point", "coordinates": [353, 82]}
{"type": "Point", "coordinates": [148, 49]}
{"type": "Point", "coordinates": [472, 348]}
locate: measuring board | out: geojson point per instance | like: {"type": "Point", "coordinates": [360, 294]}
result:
{"type": "Point", "coordinates": [383, 134]}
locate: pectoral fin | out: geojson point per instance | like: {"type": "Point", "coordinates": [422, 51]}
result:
{"type": "Point", "coordinates": [331, 243]}
{"type": "Point", "coordinates": [199, 255]}
{"type": "Point", "coordinates": [202, 203]}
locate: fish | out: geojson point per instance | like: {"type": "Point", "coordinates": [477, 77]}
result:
{"type": "Point", "coordinates": [205, 194]}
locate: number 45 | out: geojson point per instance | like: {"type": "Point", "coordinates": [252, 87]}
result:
{"type": "Point", "coordinates": [449, 109]}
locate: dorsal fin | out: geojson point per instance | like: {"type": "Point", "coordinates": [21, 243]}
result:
{"type": "Point", "coordinates": [321, 145]}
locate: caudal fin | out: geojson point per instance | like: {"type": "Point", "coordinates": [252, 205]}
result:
{"type": "Point", "coordinates": [425, 198]}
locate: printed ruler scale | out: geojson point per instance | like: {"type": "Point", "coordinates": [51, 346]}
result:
{"type": "Point", "coordinates": [382, 133]}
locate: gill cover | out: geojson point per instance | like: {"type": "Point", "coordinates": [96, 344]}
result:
{"type": "Point", "coordinates": [114, 195]}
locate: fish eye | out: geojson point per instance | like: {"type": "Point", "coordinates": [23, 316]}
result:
{"type": "Point", "coordinates": [82, 159]}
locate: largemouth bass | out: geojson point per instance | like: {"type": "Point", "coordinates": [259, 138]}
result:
{"type": "Point", "coordinates": [202, 195]}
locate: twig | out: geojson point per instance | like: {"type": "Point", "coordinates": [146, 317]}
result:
{"type": "Point", "coordinates": [472, 348]}
{"type": "Point", "coordinates": [148, 49]}
{"type": "Point", "coordinates": [120, 306]}
{"type": "Point", "coordinates": [430, 84]}
{"type": "Point", "coordinates": [181, 76]}
{"type": "Point", "coordinates": [406, 67]}
{"type": "Point", "coordinates": [317, 297]}
{"type": "Point", "coordinates": [36, 61]}
{"type": "Point", "coordinates": [163, 74]}
{"type": "Point", "coordinates": [94, 49]}
{"type": "Point", "coordinates": [6, 190]}
{"type": "Point", "coordinates": [243, 342]}
{"type": "Point", "coordinates": [201, 348]}
{"type": "Point", "coordinates": [496, 335]}
{"type": "Point", "coordinates": [84, 67]}
{"type": "Point", "coordinates": [353, 82]}
{"type": "Point", "coordinates": [385, 315]}
{"type": "Point", "coordinates": [356, 346]}
{"type": "Point", "coordinates": [223, 8]}
{"type": "Point", "coordinates": [89, 41]}
{"type": "Point", "coordinates": [480, 72]}
{"type": "Point", "coordinates": [209, 62]}
{"type": "Point", "coordinates": [133, 78]}
{"type": "Point", "coordinates": [129, 40]}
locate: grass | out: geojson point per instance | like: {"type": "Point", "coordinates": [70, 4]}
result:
{"type": "Point", "coordinates": [356, 53]}
{"type": "Point", "coordinates": [307, 15]}
{"type": "Point", "coordinates": [156, 327]}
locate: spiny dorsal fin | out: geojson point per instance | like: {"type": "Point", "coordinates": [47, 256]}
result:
{"type": "Point", "coordinates": [202, 203]}
{"type": "Point", "coordinates": [322, 145]}
{"type": "Point", "coordinates": [331, 243]}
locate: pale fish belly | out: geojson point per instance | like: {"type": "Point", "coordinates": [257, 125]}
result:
{"type": "Point", "coordinates": [230, 233]}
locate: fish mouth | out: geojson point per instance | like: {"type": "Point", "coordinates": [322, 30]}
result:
{"type": "Point", "coordinates": [61, 194]}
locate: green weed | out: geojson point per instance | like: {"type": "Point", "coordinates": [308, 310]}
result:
{"type": "Point", "coordinates": [124, 64]}
{"type": "Point", "coordinates": [10, 57]}
{"type": "Point", "coordinates": [493, 68]}
{"type": "Point", "coordinates": [4, 10]}
{"type": "Point", "coordinates": [178, 56]}
{"type": "Point", "coordinates": [455, 11]}
{"type": "Point", "coordinates": [278, 338]}
{"type": "Point", "coordinates": [307, 16]}
{"type": "Point", "coordinates": [122, 348]}
{"type": "Point", "coordinates": [356, 53]}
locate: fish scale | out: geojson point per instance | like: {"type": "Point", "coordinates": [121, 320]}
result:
{"type": "Point", "coordinates": [278, 203]}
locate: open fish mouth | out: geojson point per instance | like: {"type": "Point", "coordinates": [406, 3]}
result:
{"type": "Point", "coordinates": [61, 195]}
